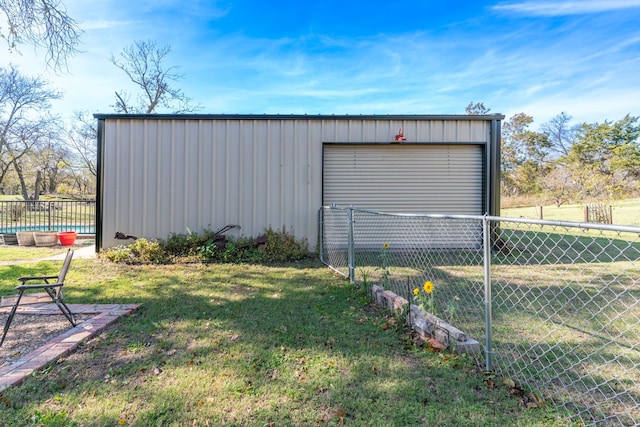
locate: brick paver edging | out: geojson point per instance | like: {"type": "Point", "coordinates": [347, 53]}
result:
{"type": "Point", "coordinates": [66, 343]}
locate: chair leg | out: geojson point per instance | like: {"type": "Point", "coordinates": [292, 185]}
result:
{"type": "Point", "coordinates": [62, 306]}
{"type": "Point", "coordinates": [10, 318]}
{"type": "Point", "coordinates": [66, 311]}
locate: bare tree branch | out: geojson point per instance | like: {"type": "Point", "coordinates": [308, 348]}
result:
{"type": "Point", "coordinates": [477, 109]}
{"type": "Point", "coordinates": [561, 134]}
{"type": "Point", "coordinates": [82, 140]}
{"type": "Point", "coordinates": [43, 23]}
{"type": "Point", "coordinates": [122, 102]}
{"type": "Point", "coordinates": [23, 104]}
{"type": "Point", "coordinates": [142, 62]}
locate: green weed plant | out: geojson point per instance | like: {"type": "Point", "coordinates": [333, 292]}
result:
{"type": "Point", "coordinates": [207, 247]}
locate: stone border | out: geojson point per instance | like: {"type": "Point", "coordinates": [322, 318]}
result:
{"type": "Point", "coordinates": [426, 324]}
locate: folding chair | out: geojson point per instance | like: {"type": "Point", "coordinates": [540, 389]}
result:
{"type": "Point", "coordinates": [53, 289]}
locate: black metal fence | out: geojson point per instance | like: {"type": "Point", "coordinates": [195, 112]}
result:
{"type": "Point", "coordinates": [50, 215]}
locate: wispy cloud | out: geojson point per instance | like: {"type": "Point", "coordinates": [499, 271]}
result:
{"type": "Point", "coordinates": [584, 61]}
{"type": "Point", "coordinates": [103, 24]}
{"type": "Point", "coordinates": [203, 9]}
{"type": "Point", "coordinates": [564, 8]}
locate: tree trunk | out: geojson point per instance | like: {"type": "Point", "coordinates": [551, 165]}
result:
{"type": "Point", "coordinates": [23, 184]}
{"type": "Point", "coordinates": [53, 177]}
{"type": "Point", "coordinates": [36, 191]}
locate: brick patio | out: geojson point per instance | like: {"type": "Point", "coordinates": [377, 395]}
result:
{"type": "Point", "coordinates": [102, 315]}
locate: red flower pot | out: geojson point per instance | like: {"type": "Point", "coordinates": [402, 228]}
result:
{"type": "Point", "coordinates": [67, 238]}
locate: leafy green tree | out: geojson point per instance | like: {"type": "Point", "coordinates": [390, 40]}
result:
{"type": "Point", "coordinates": [607, 158]}
{"type": "Point", "coordinates": [525, 156]}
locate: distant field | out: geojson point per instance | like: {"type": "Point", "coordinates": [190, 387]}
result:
{"type": "Point", "coordinates": [625, 212]}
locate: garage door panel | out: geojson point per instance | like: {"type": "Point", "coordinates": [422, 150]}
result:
{"type": "Point", "coordinates": [443, 179]}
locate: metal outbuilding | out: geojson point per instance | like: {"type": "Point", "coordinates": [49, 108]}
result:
{"type": "Point", "coordinates": [163, 174]}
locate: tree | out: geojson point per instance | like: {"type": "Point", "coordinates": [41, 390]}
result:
{"type": "Point", "coordinates": [43, 23]}
{"type": "Point", "coordinates": [143, 63]}
{"type": "Point", "coordinates": [524, 156]}
{"type": "Point", "coordinates": [29, 156]}
{"type": "Point", "coordinates": [51, 158]}
{"type": "Point", "coordinates": [82, 140]}
{"type": "Point", "coordinates": [24, 121]}
{"type": "Point", "coordinates": [560, 185]}
{"type": "Point", "coordinates": [561, 135]}
{"type": "Point", "coordinates": [477, 109]}
{"type": "Point", "coordinates": [607, 156]}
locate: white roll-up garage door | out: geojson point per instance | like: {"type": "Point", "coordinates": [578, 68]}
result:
{"type": "Point", "coordinates": [431, 179]}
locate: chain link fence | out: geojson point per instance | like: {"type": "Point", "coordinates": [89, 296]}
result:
{"type": "Point", "coordinates": [555, 305]}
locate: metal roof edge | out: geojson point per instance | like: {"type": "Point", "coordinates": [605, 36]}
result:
{"type": "Point", "coordinates": [447, 117]}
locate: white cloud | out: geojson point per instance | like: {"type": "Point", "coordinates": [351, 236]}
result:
{"type": "Point", "coordinates": [590, 107]}
{"type": "Point", "coordinates": [103, 24]}
{"type": "Point", "coordinates": [563, 8]}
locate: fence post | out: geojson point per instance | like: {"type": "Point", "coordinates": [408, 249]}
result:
{"type": "Point", "coordinates": [351, 254]}
{"type": "Point", "coordinates": [487, 292]}
{"type": "Point", "coordinates": [49, 206]}
{"type": "Point", "coordinates": [321, 234]}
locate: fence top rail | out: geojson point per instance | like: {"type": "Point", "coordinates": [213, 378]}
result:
{"type": "Point", "coordinates": [408, 215]}
{"type": "Point", "coordinates": [568, 224]}
{"type": "Point", "coordinates": [49, 201]}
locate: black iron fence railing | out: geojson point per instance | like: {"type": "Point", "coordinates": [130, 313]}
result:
{"type": "Point", "coordinates": [50, 215]}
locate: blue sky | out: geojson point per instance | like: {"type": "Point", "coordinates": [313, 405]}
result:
{"type": "Point", "coordinates": [540, 57]}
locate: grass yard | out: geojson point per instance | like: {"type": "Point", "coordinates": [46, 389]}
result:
{"type": "Point", "coordinates": [564, 310]}
{"type": "Point", "coordinates": [624, 212]}
{"type": "Point", "coordinates": [27, 252]}
{"type": "Point", "coordinates": [289, 345]}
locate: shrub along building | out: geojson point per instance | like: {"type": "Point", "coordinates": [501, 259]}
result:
{"type": "Point", "coordinates": [164, 174]}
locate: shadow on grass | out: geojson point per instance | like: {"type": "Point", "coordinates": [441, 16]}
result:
{"type": "Point", "coordinates": [247, 345]}
{"type": "Point", "coordinates": [587, 286]}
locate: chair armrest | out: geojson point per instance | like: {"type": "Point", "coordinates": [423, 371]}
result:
{"type": "Point", "coordinates": [39, 286]}
{"type": "Point", "coordinates": [27, 278]}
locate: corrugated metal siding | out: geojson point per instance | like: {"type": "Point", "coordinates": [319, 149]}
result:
{"type": "Point", "coordinates": [162, 175]}
{"type": "Point", "coordinates": [405, 178]}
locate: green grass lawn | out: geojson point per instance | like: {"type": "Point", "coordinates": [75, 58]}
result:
{"type": "Point", "coordinates": [624, 212]}
{"type": "Point", "coordinates": [289, 345]}
{"type": "Point", "coordinates": [564, 309]}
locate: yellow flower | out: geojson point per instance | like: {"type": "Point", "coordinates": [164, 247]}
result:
{"type": "Point", "coordinates": [428, 286]}
{"type": "Point", "coordinates": [385, 245]}
{"type": "Point", "coordinates": [416, 291]}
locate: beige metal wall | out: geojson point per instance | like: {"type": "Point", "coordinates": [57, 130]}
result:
{"type": "Point", "coordinates": [163, 174]}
